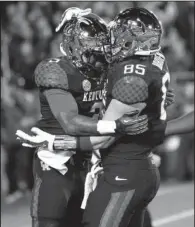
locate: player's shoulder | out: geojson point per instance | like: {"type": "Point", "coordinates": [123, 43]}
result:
{"type": "Point", "coordinates": [49, 73]}
{"type": "Point", "coordinates": [128, 69]}
{"type": "Point", "coordinates": [127, 82]}
{"type": "Point", "coordinates": [50, 64]}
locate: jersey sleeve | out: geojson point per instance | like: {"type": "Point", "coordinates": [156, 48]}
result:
{"type": "Point", "coordinates": [130, 90]}
{"type": "Point", "coordinates": [60, 101]}
{"type": "Point", "coordinates": [49, 74]}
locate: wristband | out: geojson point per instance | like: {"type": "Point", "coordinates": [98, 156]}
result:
{"type": "Point", "coordinates": [106, 127]}
{"type": "Point", "coordinates": [84, 143]}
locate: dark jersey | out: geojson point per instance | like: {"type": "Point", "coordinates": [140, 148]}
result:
{"type": "Point", "coordinates": [59, 73]}
{"type": "Point", "coordinates": [135, 80]}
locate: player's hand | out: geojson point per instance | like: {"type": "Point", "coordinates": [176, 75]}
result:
{"type": "Point", "coordinates": [70, 13]}
{"type": "Point", "coordinates": [40, 138]}
{"type": "Point", "coordinates": [170, 97]}
{"type": "Point", "coordinates": [156, 159]}
{"type": "Point", "coordinates": [132, 124]}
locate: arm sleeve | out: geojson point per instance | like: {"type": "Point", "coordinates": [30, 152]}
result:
{"type": "Point", "coordinates": [130, 90]}
{"type": "Point", "coordinates": [60, 101]}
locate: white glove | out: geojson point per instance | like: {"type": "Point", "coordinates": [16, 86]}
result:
{"type": "Point", "coordinates": [41, 138]}
{"type": "Point", "coordinates": [91, 182]}
{"type": "Point", "coordinates": [70, 13]}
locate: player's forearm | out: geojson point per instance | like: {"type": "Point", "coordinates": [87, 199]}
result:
{"type": "Point", "coordinates": [81, 144]}
{"type": "Point", "coordinates": [184, 124]}
{"type": "Point", "coordinates": [98, 142]}
{"type": "Point", "coordinates": [79, 125]}
{"type": "Point", "coordinates": [64, 108]}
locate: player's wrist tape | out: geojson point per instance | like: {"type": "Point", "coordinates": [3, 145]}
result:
{"type": "Point", "coordinates": [106, 127]}
{"type": "Point", "coordinates": [65, 142]}
{"type": "Point", "coordinates": [84, 143]}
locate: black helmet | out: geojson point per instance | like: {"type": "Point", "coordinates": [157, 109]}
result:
{"type": "Point", "coordinates": [135, 31]}
{"type": "Point", "coordinates": [83, 43]}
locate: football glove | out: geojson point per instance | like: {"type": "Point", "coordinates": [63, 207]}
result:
{"type": "Point", "coordinates": [132, 124]}
{"type": "Point", "coordinates": [41, 138]}
{"type": "Point", "coordinates": [70, 13]}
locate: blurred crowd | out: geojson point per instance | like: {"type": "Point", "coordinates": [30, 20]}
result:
{"type": "Point", "coordinates": [28, 36]}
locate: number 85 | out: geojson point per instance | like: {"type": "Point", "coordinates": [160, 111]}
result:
{"type": "Point", "coordinates": [138, 69]}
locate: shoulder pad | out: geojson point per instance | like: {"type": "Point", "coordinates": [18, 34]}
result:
{"type": "Point", "coordinates": [130, 90]}
{"type": "Point", "coordinates": [49, 74]}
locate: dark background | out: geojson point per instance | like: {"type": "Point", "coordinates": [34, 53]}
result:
{"type": "Point", "coordinates": [28, 36]}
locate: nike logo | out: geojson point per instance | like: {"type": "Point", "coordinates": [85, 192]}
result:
{"type": "Point", "coordinates": [118, 179]}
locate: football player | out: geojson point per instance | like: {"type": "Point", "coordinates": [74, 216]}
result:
{"type": "Point", "coordinates": [138, 74]}
{"type": "Point", "coordinates": [71, 90]}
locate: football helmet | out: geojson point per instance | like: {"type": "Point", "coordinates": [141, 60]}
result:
{"type": "Point", "coordinates": [83, 43]}
{"type": "Point", "coordinates": [134, 31]}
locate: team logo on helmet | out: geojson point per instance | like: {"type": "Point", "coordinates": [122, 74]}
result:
{"type": "Point", "coordinates": [86, 85]}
